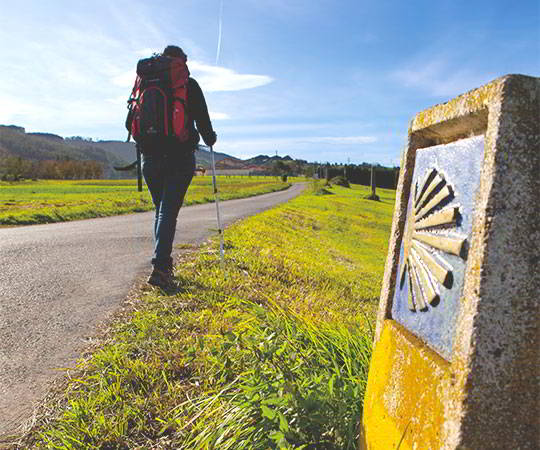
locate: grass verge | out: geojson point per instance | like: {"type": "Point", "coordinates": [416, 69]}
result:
{"type": "Point", "coordinates": [273, 352]}
{"type": "Point", "coordinates": [47, 201]}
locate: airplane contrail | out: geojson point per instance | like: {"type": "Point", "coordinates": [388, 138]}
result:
{"type": "Point", "coordinates": [219, 31]}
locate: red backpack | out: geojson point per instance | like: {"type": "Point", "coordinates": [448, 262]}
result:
{"type": "Point", "coordinates": [157, 106]}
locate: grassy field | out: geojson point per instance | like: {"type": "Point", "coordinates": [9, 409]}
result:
{"type": "Point", "coordinates": [272, 352]}
{"type": "Point", "coordinates": [32, 202]}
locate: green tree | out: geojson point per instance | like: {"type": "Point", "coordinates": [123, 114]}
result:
{"type": "Point", "coordinates": [280, 168]}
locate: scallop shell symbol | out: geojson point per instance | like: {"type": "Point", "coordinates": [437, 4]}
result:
{"type": "Point", "coordinates": [427, 218]}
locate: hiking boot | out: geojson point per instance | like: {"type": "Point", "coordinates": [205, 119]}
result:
{"type": "Point", "coordinates": [161, 278]}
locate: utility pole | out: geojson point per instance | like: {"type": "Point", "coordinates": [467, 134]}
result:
{"type": "Point", "coordinates": [373, 182]}
{"type": "Point", "coordinates": [345, 168]}
{"type": "Point", "coordinates": [373, 195]}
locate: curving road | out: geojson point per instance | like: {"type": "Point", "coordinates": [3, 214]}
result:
{"type": "Point", "coordinates": [59, 281]}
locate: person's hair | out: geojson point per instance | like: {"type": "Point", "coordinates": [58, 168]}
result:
{"type": "Point", "coordinates": [174, 51]}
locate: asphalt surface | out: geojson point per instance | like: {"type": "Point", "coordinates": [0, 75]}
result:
{"type": "Point", "coordinates": [58, 282]}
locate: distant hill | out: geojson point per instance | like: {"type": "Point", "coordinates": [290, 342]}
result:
{"type": "Point", "coordinates": [14, 141]}
{"type": "Point", "coordinates": [258, 160]}
{"type": "Point", "coordinates": [123, 150]}
{"type": "Point", "coordinates": [126, 151]}
{"type": "Point", "coordinates": [204, 158]}
{"type": "Point", "coordinates": [231, 163]}
{"type": "Point", "coordinates": [51, 136]}
{"type": "Point", "coordinates": [265, 160]}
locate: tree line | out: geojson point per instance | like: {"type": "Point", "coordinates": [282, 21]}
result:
{"type": "Point", "coordinates": [14, 168]}
{"type": "Point", "coordinates": [386, 177]}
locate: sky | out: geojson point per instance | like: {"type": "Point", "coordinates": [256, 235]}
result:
{"type": "Point", "coordinates": [327, 81]}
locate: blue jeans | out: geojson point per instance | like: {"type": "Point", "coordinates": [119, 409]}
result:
{"type": "Point", "coordinates": [168, 180]}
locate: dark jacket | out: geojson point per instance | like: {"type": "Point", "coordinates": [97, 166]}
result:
{"type": "Point", "coordinates": [198, 114]}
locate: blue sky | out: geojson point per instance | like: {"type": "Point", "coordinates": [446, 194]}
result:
{"type": "Point", "coordinates": [319, 80]}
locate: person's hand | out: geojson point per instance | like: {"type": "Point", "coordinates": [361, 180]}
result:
{"type": "Point", "coordinates": [211, 140]}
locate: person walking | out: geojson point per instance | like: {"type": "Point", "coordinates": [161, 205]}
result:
{"type": "Point", "coordinates": [168, 167]}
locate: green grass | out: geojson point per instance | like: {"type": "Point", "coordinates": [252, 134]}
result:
{"type": "Point", "coordinates": [273, 352]}
{"type": "Point", "coordinates": [33, 202]}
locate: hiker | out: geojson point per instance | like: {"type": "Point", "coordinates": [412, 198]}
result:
{"type": "Point", "coordinates": [168, 163]}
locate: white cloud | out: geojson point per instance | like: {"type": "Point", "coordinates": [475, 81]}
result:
{"type": "Point", "coordinates": [118, 100]}
{"type": "Point", "coordinates": [146, 52]}
{"type": "Point", "coordinates": [13, 109]}
{"type": "Point", "coordinates": [211, 78]}
{"type": "Point", "coordinates": [124, 79]}
{"type": "Point", "coordinates": [215, 78]}
{"type": "Point", "coordinates": [219, 115]}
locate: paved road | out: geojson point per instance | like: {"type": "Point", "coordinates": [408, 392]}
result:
{"type": "Point", "coordinates": [58, 281]}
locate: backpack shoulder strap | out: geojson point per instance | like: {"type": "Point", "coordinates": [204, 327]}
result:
{"type": "Point", "coordinates": [179, 73]}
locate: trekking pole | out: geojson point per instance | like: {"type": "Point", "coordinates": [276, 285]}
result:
{"type": "Point", "coordinates": [216, 196]}
{"type": "Point", "coordinates": [139, 170]}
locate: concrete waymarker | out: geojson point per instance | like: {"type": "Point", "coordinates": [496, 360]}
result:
{"type": "Point", "coordinates": [456, 354]}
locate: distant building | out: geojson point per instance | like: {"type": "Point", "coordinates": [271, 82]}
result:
{"type": "Point", "coordinates": [200, 171]}
{"type": "Point", "coordinates": [234, 166]}
{"type": "Point", "coordinates": [231, 172]}
{"type": "Point", "coordinates": [249, 170]}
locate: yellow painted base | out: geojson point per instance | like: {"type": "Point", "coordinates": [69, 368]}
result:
{"type": "Point", "coordinates": [403, 406]}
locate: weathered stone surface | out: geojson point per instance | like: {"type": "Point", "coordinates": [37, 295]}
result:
{"type": "Point", "coordinates": [492, 335]}
{"type": "Point", "coordinates": [437, 235]}
{"type": "Point", "coordinates": [409, 378]}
